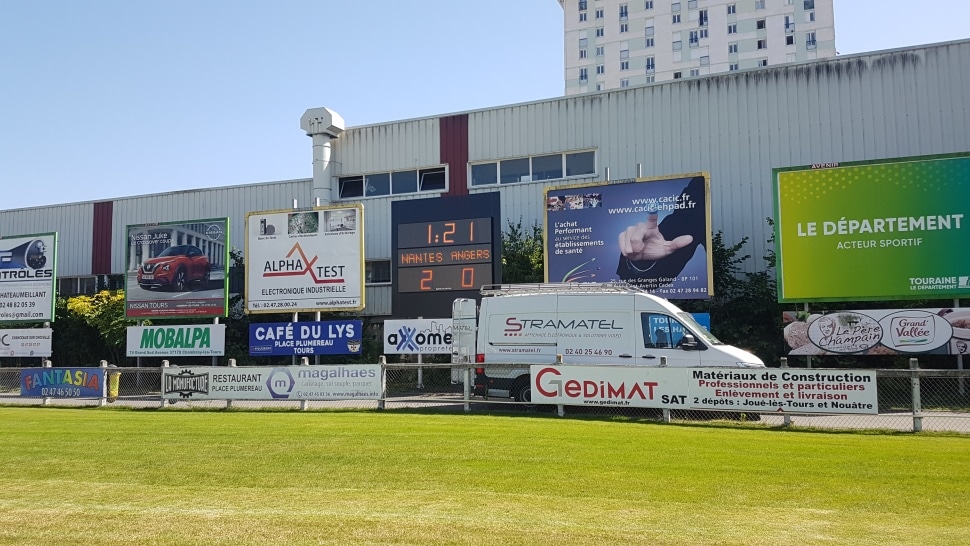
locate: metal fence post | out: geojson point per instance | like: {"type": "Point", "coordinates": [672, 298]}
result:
{"type": "Point", "coordinates": [104, 387]}
{"type": "Point", "coordinates": [382, 360]}
{"type": "Point", "coordinates": [304, 404]}
{"type": "Point", "coordinates": [787, 421]}
{"type": "Point", "coordinates": [917, 403]}
{"type": "Point", "coordinates": [161, 390]}
{"type": "Point", "coordinates": [560, 408]}
{"type": "Point", "coordinates": [46, 400]}
{"type": "Point", "coordinates": [666, 411]}
{"type": "Point", "coordinates": [232, 364]}
{"type": "Point", "coordinates": [466, 389]}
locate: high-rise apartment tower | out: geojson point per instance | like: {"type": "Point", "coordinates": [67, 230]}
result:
{"type": "Point", "coordinates": [618, 43]}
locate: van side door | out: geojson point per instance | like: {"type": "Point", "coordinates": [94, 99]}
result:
{"type": "Point", "coordinates": [660, 334]}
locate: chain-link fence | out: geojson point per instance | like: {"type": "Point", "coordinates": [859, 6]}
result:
{"type": "Point", "coordinates": [908, 400]}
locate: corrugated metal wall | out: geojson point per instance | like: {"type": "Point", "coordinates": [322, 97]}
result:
{"type": "Point", "coordinates": [736, 126]}
{"type": "Point", "coordinates": [739, 126]}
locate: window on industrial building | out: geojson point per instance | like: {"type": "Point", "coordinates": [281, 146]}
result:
{"type": "Point", "coordinates": [675, 19]}
{"type": "Point", "coordinates": [762, 62]}
{"type": "Point", "coordinates": [763, 43]}
{"type": "Point", "coordinates": [789, 23]}
{"type": "Point", "coordinates": [759, 4]}
{"type": "Point", "coordinates": [733, 47]}
{"type": "Point", "coordinates": [377, 184]}
{"type": "Point", "coordinates": [582, 5]}
{"type": "Point", "coordinates": [648, 4]}
{"type": "Point", "coordinates": [702, 18]}
{"type": "Point", "coordinates": [809, 4]}
{"type": "Point", "coordinates": [733, 67]}
{"type": "Point", "coordinates": [678, 45]}
{"type": "Point", "coordinates": [705, 60]}
{"type": "Point", "coordinates": [582, 17]}
{"type": "Point", "coordinates": [651, 64]}
{"type": "Point", "coordinates": [75, 286]}
{"type": "Point", "coordinates": [695, 72]}
{"type": "Point", "coordinates": [600, 69]}
{"type": "Point", "coordinates": [691, 4]}
{"type": "Point", "coordinates": [514, 170]}
{"type": "Point", "coordinates": [535, 168]}
{"type": "Point", "coordinates": [624, 12]}
{"type": "Point", "coordinates": [649, 30]}
{"type": "Point", "coordinates": [400, 182]}
{"type": "Point", "coordinates": [760, 24]}
{"type": "Point", "coordinates": [599, 13]}
{"type": "Point", "coordinates": [678, 75]}
{"type": "Point", "coordinates": [599, 51]}
{"type": "Point", "coordinates": [583, 75]}
{"type": "Point", "coordinates": [648, 42]}
{"type": "Point", "coordinates": [694, 38]}
{"type": "Point", "coordinates": [599, 86]}
{"type": "Point", "coordinates": [625, 82]}
{"type": "Point", "coordinates": [583, 42]}
{"type": "Point", "coordinates": [582, 53]}
{"type": "Point", "coordinates": [599, 32]}
{"type": "Point", "coordinates": [377, 271]}
{"type": "Point", "coordinates": [675, 7]}
{"type": "Point", "coordinates": [651, 78]}
{"type": "Point", "coordinates": [404, 182]}
{"type": "Point", "coordinates": [733, 28]}
{"type": "Point", "coordinates": [732, 9]}
{"type": "Point", "coordinates": [810, 42]}
{"type": "Point", "coordinates": [790, 39]}
{"type": "Point", "coordinates": [624, 65]}
{"type": "Point", "coordinates": [809, 16]}
{"type": "Point", "coordinates": [624, 27]}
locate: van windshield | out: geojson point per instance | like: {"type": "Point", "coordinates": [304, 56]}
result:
{"type": "Point", "coordinates": [687, 319]}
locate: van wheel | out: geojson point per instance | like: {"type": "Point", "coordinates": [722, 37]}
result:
{"type": "Point", "coordinates": [522, 391]}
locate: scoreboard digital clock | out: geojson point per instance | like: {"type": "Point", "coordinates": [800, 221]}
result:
{"type": "Point", "coordinates": [444, 255]}
{"type": "Point", "coordinates": [443, 249]}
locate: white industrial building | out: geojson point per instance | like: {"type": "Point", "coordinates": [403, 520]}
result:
{"type": "Point", "coordinates": [611, 44]}
{"type": "Point", "coordinates": [736, 126]}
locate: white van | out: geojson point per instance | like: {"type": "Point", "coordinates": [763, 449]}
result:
{"type": "Point", "coordinates": [585, 323]}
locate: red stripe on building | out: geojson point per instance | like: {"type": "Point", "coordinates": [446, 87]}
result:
{"type": "Point", "coordinates": [454, 152]}
{"type": "Point", "coordinates": [101, 238]}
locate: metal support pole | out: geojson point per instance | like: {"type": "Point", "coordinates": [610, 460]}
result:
{"type": "Point", "coordinates": [808, 358]}
{"type": "Point", "coordinates": [232, 364]}
{"type": "Point", "coordinates": [104, 388]}
{"type": "Point", "coordinates": [165, 402]}
{"type": "Point", "coordinates": [961, 381]}
{"type": "Point", "coordinates": [784, 364]}
{"type": "Point", "coordinates": [296, 318]}
{"type": "Point", "coordinates": [316, 358]}
{"type": "Point", "coordinates": [46, 400]}
{"type": "Point", "coordinates": [382, 360]}
{"type": "Point", "coordinates": [917, 403]}
{"type": "Point", "coordinates": [420, 371]}
{"type": "Point", "coordinates": [467, 389]}
{"type": "Point", "coordinates": [666, 411]}
{"type": "Point", "coordinates": [304, 404]}
{"type": "Point", "coordinates": [215, 359]}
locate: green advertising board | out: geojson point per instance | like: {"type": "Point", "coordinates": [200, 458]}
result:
{"type": "Point", "coordinates": [879, 230]}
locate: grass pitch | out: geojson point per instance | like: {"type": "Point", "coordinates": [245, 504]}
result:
{"type": "Point", "coordinates": [109, 476]}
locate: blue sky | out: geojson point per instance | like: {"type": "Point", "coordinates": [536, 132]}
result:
{"type": "Point", "coordinates": [111, 98]}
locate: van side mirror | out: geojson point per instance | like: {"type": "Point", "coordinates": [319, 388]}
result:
{"type": "Point", "coordinates": [688, 342]}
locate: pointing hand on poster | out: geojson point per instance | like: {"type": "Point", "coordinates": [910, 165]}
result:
{"type": "Point", "coordinates": [643, 241]}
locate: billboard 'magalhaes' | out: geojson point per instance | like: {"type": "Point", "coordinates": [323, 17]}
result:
{"type": "Point", "coordinates": [873, 231]}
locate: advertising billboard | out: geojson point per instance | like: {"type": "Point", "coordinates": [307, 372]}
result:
{"type": "Point", "coordinates": [177, 269]}
{"type": "Point", "coordinates": [27, 276]}
{"type": "Point", "coordinates": [879, 332]}
{"type": "Point", "coordinates": [879, 230]}
{"type": "Point", "coordinates": [329, 337]}
{"type": "Point", "coordinates": [194, 340]}
{"type": "Point", "coordinates": [304, 260]}
{"type": "Point", "coordinates": [334, 382]}
{"type": "Point", "coordinates": [26, 342]}
{"type": "Point", "coordinates": [653, 233]}
{"type": "Point", "coordinates": [62, 382]}
{"type": "Point", "coordinates": [417, 336]}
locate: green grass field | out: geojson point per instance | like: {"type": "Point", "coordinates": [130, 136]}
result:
{"type": "Point", "coordinates": [110, 476]}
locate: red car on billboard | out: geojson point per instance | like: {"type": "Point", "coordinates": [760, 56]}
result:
{"type": "Point", "coordinates": [174, 268]}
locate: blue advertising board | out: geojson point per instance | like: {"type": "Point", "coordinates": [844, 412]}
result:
{"type": "Point", "coordinates": [62, 382]}
{"type": "Point", "coordinates": [653, 233]}
{"type": "Point", "coordinates": [330, 337]}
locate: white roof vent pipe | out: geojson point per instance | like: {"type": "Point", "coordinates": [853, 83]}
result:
{"type": "Point", "coordinates": [322, 125]}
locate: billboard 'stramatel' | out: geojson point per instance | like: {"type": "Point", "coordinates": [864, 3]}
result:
{"type": "Point", "coordinates": [654, 233]}
{"type": "Point", "coordinates": [177, 269]}
{"type": "Point", "coordinates": [27, 276]}
{"type": "Point", "coordinates": [873, 231]}
{"type": "Point", "coordinates": [305, 260]}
